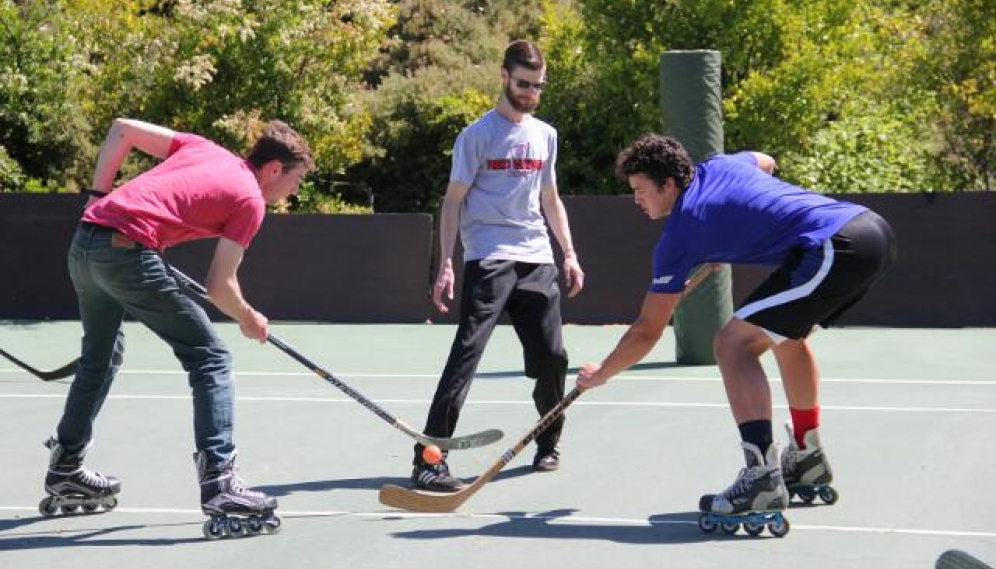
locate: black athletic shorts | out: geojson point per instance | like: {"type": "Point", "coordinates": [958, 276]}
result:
{"type": "Point", "coordinates": [817, 285]}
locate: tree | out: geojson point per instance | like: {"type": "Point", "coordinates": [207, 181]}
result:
{"type": "Point", "coordinates": [958, 64]}
{"type": "Point", "coordinates": [42, 126]}
{"type": "Point", "coordinates": [823, 85]}
{"type": "Point", "coordinates": [438, 72]}
{"type": "Point", "coordinates": [217, 67]}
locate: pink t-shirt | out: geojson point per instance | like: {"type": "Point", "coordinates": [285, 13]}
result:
{"type": "Point", "coordinates": [200, 190]}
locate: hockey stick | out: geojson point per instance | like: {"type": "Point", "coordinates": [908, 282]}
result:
{"type": "Point", "coordinates": [957, 559]}
{"type": "Point", "coordinates": [468, 441]}
{"type": "Point", "coordinates": [63, 372]}
{"type": "Point", "coordinates": [415, 501]}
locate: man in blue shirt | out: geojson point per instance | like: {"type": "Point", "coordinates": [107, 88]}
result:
{"type": "Point", "coordinates": [730, 209]}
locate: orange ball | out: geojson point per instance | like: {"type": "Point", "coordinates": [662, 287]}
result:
{"type": "Point", "coordinates": [432, 455]}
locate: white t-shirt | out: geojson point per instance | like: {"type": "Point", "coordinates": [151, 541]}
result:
{"type": "Point", "coordinates": [505, 164]}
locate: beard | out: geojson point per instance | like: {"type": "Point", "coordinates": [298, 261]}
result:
{"type": "Point", "coordinates": [520, 105]}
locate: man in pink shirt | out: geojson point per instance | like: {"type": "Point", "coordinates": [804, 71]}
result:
{"type": "Point", "coordinates": [199, 190]}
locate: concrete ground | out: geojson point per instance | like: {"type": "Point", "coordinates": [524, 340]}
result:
{"type": "Point", "coordinates": [909, 420]}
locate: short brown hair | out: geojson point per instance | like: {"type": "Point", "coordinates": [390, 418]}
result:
{"type": "Point", "coordinates": [523, 53]}
{"type": "Point", "coordinates": [281, 142]}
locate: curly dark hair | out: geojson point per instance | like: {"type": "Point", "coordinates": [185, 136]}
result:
{"type": "Point", "coordinates": [657, 157]}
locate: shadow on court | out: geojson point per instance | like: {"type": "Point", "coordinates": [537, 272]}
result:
{"type": "Point", "coordinates": [573, 371]}
{"type": "Point", "coordinates": [81, 537]}
{"type": "Point", "coordinates": [372, 483]}
{"type": "Point", "coordinates": [674, 528]}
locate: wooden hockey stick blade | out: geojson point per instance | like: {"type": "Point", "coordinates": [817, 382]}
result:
{"type": "Point", "coordinates": [455, 443]}
{"type": "Point", "coordinates": [415, 501]}
{"type": "Point", "coordinates": [61, 373]}
{"type": "Point", "coordinates": [957, 559]}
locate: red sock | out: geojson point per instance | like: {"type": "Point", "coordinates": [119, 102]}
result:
{"type": "Point", "coordinates": [803, 421]}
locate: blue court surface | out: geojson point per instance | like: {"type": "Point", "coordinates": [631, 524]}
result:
{"type": "Point", "coordinates": [909, 424]}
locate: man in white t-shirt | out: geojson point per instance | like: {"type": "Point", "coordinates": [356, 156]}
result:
{"type": "Point", "coordinates": [502, 182]}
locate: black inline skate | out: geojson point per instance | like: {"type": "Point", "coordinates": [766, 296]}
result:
{"type": "Point", "coordinates": [72, 488]}
{"type": "Point", "coordinates": [806, 470]}
{"type": "Point", "coordinates": [755, 499]}
{"type": "Point", "coordinates": [234, 510]}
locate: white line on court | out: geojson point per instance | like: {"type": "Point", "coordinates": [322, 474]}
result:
{"type": "Point", "coordinates": [424, 402]}
{"type": "Point", "coordinates": [558, 520]}
{"type": "Point", "coordinates": [621, 377]}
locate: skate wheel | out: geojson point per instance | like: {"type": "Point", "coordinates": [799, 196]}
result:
{"type": "Point", "coordinates": [780, 527]}
{"type": "Point", "coordinates": [806, 494]}
{"type": "Point", "coordinates": [236, 528]}
{"type": "Point", "coordinates": [706, 524]}
{"type": "Point", "coordinates": [70, 509]}
{"type": "Point", "coordinates": [47, 507]}
{"type": "Point", "coordinates": [753, 528]}
{"type": "Point", "coordinates": [272, 524]}
{"type": "Point", "coordinates": [828, 495]}
{"type": "Point", "coordinates": [110, 504]}
{"type": "Point", "coordinates": [255, 525]}
{"type": "Point", "coordinates": [730, 528]}
{"type": "Point", "coordinates": [214, 529]}
{"type": "Point", "coordinates": [90, 508]}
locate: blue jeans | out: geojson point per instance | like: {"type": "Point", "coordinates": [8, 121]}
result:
{"type": "Point", "coordinates": [112, 277]}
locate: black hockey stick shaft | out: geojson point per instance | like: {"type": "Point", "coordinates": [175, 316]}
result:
{"type": "Point", "coordinates": [61, 373]}
{"type": "Point", "coordinates": [463, 442]}
{"type": "Point", "coordinates": [957, 559]}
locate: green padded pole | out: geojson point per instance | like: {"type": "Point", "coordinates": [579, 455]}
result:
{"type": "Point", "coordinates": [692, 105]}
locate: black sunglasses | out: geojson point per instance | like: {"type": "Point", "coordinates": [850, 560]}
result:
{"type": "Point", "coordinates": [523, 84]}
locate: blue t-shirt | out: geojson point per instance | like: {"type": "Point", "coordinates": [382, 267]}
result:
{"type": "Point", "coordinates": [734, 212]}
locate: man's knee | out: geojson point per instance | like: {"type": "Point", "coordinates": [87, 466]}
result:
{"type": "Point", "coordinates": [210, 363]}
{"type": "Point", "coordinates": [739, 338]}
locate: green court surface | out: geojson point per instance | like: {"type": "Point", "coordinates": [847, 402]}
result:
{"type": "Point", "coordinates": [909, 423]}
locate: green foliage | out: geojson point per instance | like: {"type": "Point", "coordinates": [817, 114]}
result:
{"type": "Point", "coordinates": [862, 153]}
{"type": "Point", "coordinates": [439, 72]}
{"type": "Point", "coordinates": [41, 123]}
{"type": "Point", "coordinates": [217, 67]}
{"type": "Point", "coordinates": [435, 34]}
{"type": "Point", "coordinates": [848, 95]}
{"type": "Point", "coordinates": [833, 88]}
{"type": "Point", "coordinates": [11, 176]}
{"type": "Point", "coordinates": [416, 121]}
{"type": "Point", "coordinates": [958, 61]}
{"type": "Point", "coordinates": [328, 201]}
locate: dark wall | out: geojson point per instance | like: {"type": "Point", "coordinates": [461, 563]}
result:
{"type": "Point", "coordinates": [339, 268]}
{"type": "Point", "coordinates": [376, 268]}
{"type": "Point", "coordinates": [35, 231]}
{"type": "Point", "coordinates": [945, 274]}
